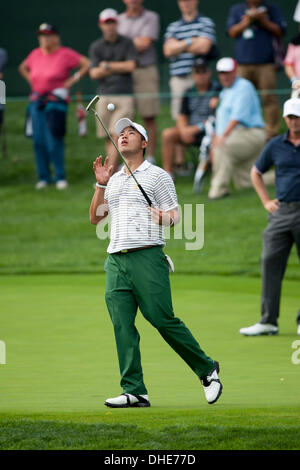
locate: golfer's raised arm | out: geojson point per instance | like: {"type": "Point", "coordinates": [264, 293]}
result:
{"type": "Point", "coordinates": [98, 207]}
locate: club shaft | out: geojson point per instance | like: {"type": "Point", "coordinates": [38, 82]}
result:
{"type": "Point", "coordinates": [123, 159]}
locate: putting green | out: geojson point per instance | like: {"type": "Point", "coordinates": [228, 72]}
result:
{"type": "Point", "coordinates": [61, 354]}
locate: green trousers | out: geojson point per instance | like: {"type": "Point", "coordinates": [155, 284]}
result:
{"type": "Point", "coordinates": [140, 279]}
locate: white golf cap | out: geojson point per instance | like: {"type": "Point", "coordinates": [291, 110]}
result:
{"type": "Point", "coordinates": [226, 64]}
{"type": "Point", "coordinates": [291, 107]}
{"type": "Point", "coordinates": [125, 122]}
{"type": "Point", "coordinates": [108, 14]}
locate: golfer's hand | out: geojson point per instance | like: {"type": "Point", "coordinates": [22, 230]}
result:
{"type": "Point", "coordinates": [271, 206]}
{"type": "Point", "coordinates": [160, 217]}
{"type": "Point", "coordinates": [102, 172]}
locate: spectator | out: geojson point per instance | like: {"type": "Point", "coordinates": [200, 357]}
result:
{"type": "Point", "coordinates": [3, 61]}
{"type": "Point", "coordinates": [196, 108]}
{"type": "Point", "coordinates": [192, 35]}
{"type": "Point", "coordinates": [47, 70]}
{"type": "Point", "coordinates": [240, 134]}
{"type": "Point", "coordinates": [113, 59]}
{"type": "Point", "coordinates": [292, 59]}
{"type": "Point", "coordinates": [142, 26]}
{"type": "Point", "coordinates": [283, 230]}
{"type": "Point", "coordinates": [254, 24]}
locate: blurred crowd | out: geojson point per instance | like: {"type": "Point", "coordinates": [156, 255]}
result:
{"type": "Point", "coordinates": [228, 120]}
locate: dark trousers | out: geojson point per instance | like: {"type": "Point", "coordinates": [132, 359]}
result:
{"type": "Point", "coordinates": [47, 147]}
{"type": "Point", "coordinates": [281, 233]}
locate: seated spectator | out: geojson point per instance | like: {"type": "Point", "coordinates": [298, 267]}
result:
{"type": "Point", "coordinates": [197, 105]}
{"type": "Point", "coordinates": [240, 134]}
{"type": "Point", "coordinates": [192, 35]}
{"type": "Point", "coordinates": [113, 59]}
{"type": "Point", "coordinates": [255, 24]}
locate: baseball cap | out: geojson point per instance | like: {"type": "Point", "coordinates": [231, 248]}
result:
{"type": "Point", "coordinates": [108, 14]}
{"type": "Point", "coordinates": [125, 122]}
{"type": "Point", "coordinates": [200, 62]}
{"type": "Point", "coordinates": [226, 64]}
{"type": "Point", "coordinates": [46, 28]}
{"type": "Point", "coordinates": [291, 107]}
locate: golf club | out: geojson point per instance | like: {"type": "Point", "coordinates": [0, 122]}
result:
{"type": "Point", "coordinates": [90, 106]}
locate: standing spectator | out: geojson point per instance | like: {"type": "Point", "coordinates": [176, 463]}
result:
{"type": "Point", "coordinates": [142, 26]}
{"type": "Point", "coordinates": [240, 134]}
{"type": "Point", "coordinates": [292, 59]}
{"type": "Point", "coordinates": [113, 58]}
{"type": "Point", "coordinates": [3, 61]}
{"type": "Point", "coordinates": [195, 110]}
{"type": "Point", "coordinates": [192, 35]}
{"type": "Point", "coordinates": [254, 24]}
{"type": "Point", "coordinates": [47, 70]}
{"type": "Point", "coordinates": [283, 229]}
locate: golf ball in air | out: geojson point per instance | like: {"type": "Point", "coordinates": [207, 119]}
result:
{"type": "Point", "coordinates": [110, 107]}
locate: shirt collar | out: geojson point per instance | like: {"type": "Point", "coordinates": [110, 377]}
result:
{"type": "Point", "coordinates": [143, 166]}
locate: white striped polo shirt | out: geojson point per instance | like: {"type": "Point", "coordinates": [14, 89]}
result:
{"type": "Point", "coordinates": [201, 26]}
{"type": "Point", "coordinates": [131, 225]}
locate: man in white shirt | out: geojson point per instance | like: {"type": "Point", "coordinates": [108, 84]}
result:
{"type": "Point", "coordinates": [137, 270]}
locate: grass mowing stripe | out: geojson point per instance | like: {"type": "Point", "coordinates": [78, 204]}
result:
{"type": "Point", "coordinates": [27, 434]}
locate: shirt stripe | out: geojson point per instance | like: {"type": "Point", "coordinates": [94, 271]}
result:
{"type": "Point", "coordinates": [131, 225]}
{"type": "Point", "coordinates": [201, 26]}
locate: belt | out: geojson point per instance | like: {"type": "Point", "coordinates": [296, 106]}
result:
{"type": "Point", "coordinates": [290, 204]}
{"type": "Point", "coordinates": [131, 250]}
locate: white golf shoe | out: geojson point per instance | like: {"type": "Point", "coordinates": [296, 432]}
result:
{"type": "Point", "coordinates": [61, 184]}
{"type": "Point", "coordinates": [41, 184]}
{"type": "Point", "coordinates": [126, 400]}
{"type": "Point", "coordinates": [260, 329]}
{"type": "Point", "coordinates": [212, 385]}
{"type": "Point", "coordinates": [298, 330]}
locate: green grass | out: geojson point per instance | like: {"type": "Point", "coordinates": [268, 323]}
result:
{"type": "Point", "coordinates": [61, 357]}
{"type": "Point", "coordinates": [62, 365]}
{"type": "Point", "coordinates": [49, 231]}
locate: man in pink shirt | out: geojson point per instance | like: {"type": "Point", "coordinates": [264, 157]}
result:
{"type": "Point", "coordinates": [47, 69]}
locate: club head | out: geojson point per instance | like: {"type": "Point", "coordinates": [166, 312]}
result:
{"type": "Point", "coordinates": [92, 102]}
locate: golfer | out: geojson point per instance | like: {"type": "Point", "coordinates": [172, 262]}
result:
{"type": "Point", "coordinates": [137, 270]}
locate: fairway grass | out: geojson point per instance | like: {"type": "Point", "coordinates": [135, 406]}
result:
{"type": "Point", "coordinates": [62, 365]}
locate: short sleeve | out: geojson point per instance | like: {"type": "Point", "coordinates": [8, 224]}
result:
{"type": "Point", "coordinates": [245, 94]}
{"type": "Point", "coordinates": [72, 58]}
{"type": "Point", "coordinates": [30, 58]}
{"type": "Point", "coordinates": [152, 28]}
{"type": "Point", "coordinates": [165, 192]}
{"type": "Point", "coordinates": [265, 160]}
{"type": "Point", "coordinates": [170, 32]}
{"type": "Point", "coordinates": [185, 106]}
{"type": "Point", "coordinates": [233, 18]}
{"type": "Point", "coordinates": [94, 55]}
{"type": "Point", "coordinates": [131, 52]}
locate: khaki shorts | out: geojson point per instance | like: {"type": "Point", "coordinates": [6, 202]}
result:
{"type": "Point", "coordinates": [124, 107]}
{"type": "Point", "coordinates": [146, 81]}
{"type": "Point", "coordinates": [179, 86]}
